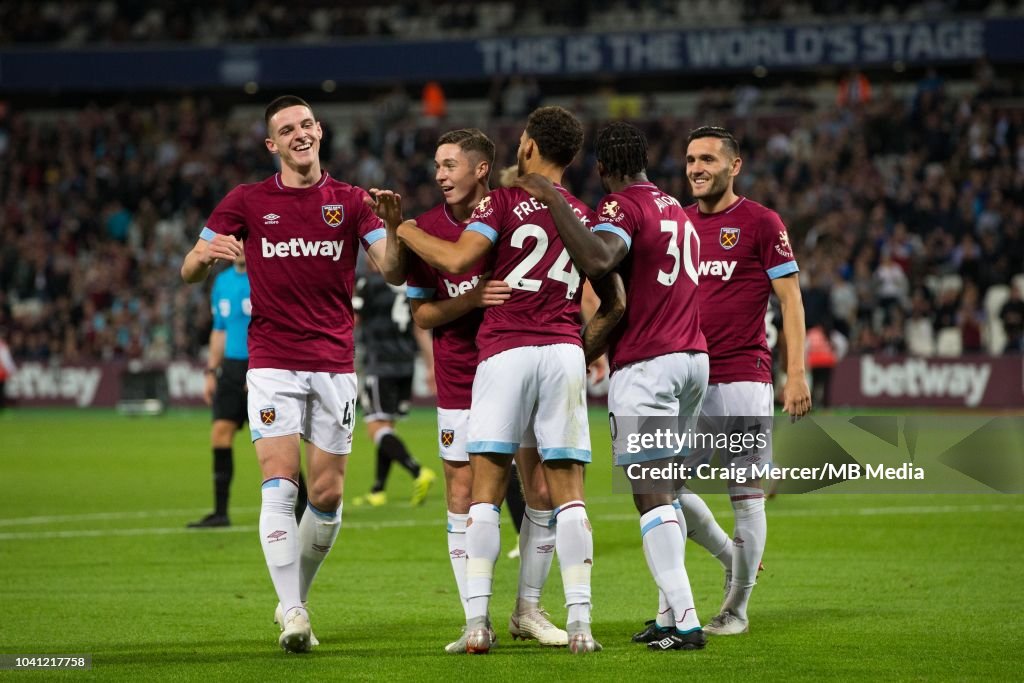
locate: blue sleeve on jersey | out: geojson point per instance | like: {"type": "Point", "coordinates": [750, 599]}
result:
{"type": "Point", "coordinates": [207, 234]}
{"type": "Point", "coordinates": [782, 270]}
{"type": "Point", "coordinates": [374, 236]}
{"type": "Point", "coordinates": [485, 230]}
{"type": "Point", "coordinates": [419, 292]}
{"type": "Point", "coordinates": [616, 230]}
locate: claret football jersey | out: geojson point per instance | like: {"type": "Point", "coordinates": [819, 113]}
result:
{"type": "Point", "coordinates": [660, 274]}
{"type": "Point", "coordinates": [742, 249]}
{"type": "Point", "coordinates": [528, 254]}
{"type": "Point", "coordinates": [300, 252]}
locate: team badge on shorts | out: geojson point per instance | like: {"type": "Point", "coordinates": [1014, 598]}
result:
{"type": "Point", "coordinates": [268, 415]}
{"type": "Point", "coordinates": [447, 437]}
{"type": "Point", "coordinates": [333, 214]}
{"type": "Point", "coordinates": [729, 237]}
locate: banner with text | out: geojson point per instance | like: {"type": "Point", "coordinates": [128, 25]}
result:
{"type": "Point", "coordinates": [992, 382]}
{"type": "Point", "coordinates": [779, 47]}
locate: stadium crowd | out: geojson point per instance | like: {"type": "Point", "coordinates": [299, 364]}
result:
{"type": "Point", "coordinates": [907, 215]}
{"type": "Point", "coordinates": [77, 22]}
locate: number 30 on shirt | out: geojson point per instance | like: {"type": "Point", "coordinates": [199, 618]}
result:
{"type": "Point", "coordinates": [690, 255]}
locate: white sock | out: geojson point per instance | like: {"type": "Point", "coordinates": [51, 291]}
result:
{"type": "Point", "coordinates": [663, 543]}
{"type": "Point", "coordinates": [749, 541]}
{"type": "Point", "coordinates": [279, 535]}
{"type": "Point", "coordinates": [664, 618]}
{"type": "Point", "coordinates": [317, 532]}
{"type": "Point", "coordinates": [574, 543]}
{"type": "Point", "coordinates": [483, 544]}
{"type": "Point", "coordinates": [702, 528]}
{"type": "Point", "coordinates": [536, 548]}
{"type": "Point", "coordinates": [457, 554]}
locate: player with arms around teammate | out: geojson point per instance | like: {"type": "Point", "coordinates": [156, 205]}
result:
{"type": "Point", "coordinates": [300, 228]}
{"type": "Point", "coordinates": [450, 306]}
{"type": "Point", "coordinates": [745, 255]}
{"type": "Point", "coordinates": [658, 355]}
{"type": "Point", "coordinates": [531, 367]}
{"type": "Point", "coordinates": [390, 344]}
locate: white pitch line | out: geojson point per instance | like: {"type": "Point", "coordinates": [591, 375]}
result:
{"type": "Point", "coordinates": [106, 516]}
{"type": "Point", "coordinates": [408, 523]}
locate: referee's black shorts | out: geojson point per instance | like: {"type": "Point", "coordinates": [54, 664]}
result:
{"type": "Point", "coordinates": [386, 398]}
{"type": "Point", "coordinates": [229, 400]}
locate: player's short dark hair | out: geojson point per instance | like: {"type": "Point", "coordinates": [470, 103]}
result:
{"type": "Point", "coordinates": [469, 140]}
{"type": "Point", "coordinates": [283, 102]}
{"type": "Point", "coordinates": [622, 149]}
{"type": "Point", "coordinates": [558, 134]}
{"type": "Point", "coordinates": [728, 141]}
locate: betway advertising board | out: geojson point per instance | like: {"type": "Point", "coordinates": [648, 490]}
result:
{"type": "Point", "coordinates": [995, 382]}
{"type": "Point", "coordinates": [98, 385]}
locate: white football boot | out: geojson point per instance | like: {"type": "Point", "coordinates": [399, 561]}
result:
{"type": "Point", "coordinates": [279, 620]}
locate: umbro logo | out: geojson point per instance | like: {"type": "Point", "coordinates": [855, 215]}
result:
{"type": "Point", "coordinates": [271, 219]}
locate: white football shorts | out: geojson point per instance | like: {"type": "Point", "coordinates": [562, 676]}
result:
{"type": "Point", "coordinates": [452, 429]}
{"type": "Point", "coordinates": [319, 406]}
{"type": "Point", "coordinates": [670, 385]}
{"type": "Point", "coordinates": [545, 384]}
{"type": "Point", "coordinates": [724, 410]}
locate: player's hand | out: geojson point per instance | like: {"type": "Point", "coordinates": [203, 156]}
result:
{"type": "Point", "coordinates": [209, 388]}
{"type": "Point", "coordinates": [598, 370]}
{"type": "Point", "coordinates": [489, 293]}
{"type": "Point", "coordinates": [796, 397]}
{"type": "Point", "coordinates": [223, 247]}
{"type": "Point", "coordinates": [387, 205]}
{"type": "Point", "coordinates": [537, 185]}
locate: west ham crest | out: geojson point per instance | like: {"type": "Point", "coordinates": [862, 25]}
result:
{"type": "Point", "coordinates": [268, 415]}
{"type": "Point", "coordinates": [447, 437]}
{"type": "Point", "coordinates": [333, 214]}
{"type": "Point", "coordinates": [729, 237]}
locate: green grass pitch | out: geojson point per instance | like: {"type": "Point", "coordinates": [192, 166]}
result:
{"type": "Point", "coordinates": [94, 558]}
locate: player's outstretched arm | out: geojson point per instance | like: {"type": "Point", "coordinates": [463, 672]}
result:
{"type": "Point", "coordinates": [199, 261]}
{"type": "Point", "coordinates": [599, 328]}
{"type": "Point", "coordinates": [796, 395]}
{"type": "Point", "coordinates": [391, 258]}
{"type": "Point", "coordinates": [596, 254]}
{"type": "Point", "coordinates": [429, 314]}
{"type": "Point", "coordinates": [449, 257]}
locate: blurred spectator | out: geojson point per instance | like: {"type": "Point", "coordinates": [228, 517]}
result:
{"type": "Point", "coordinates": [971, 319]}
{"type": "Point", "coordinates": [1012, 316]}
{"type": "Point", "coordinates": [434, 103]}
{"type": "Point", "coordinates": [854, 89]}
